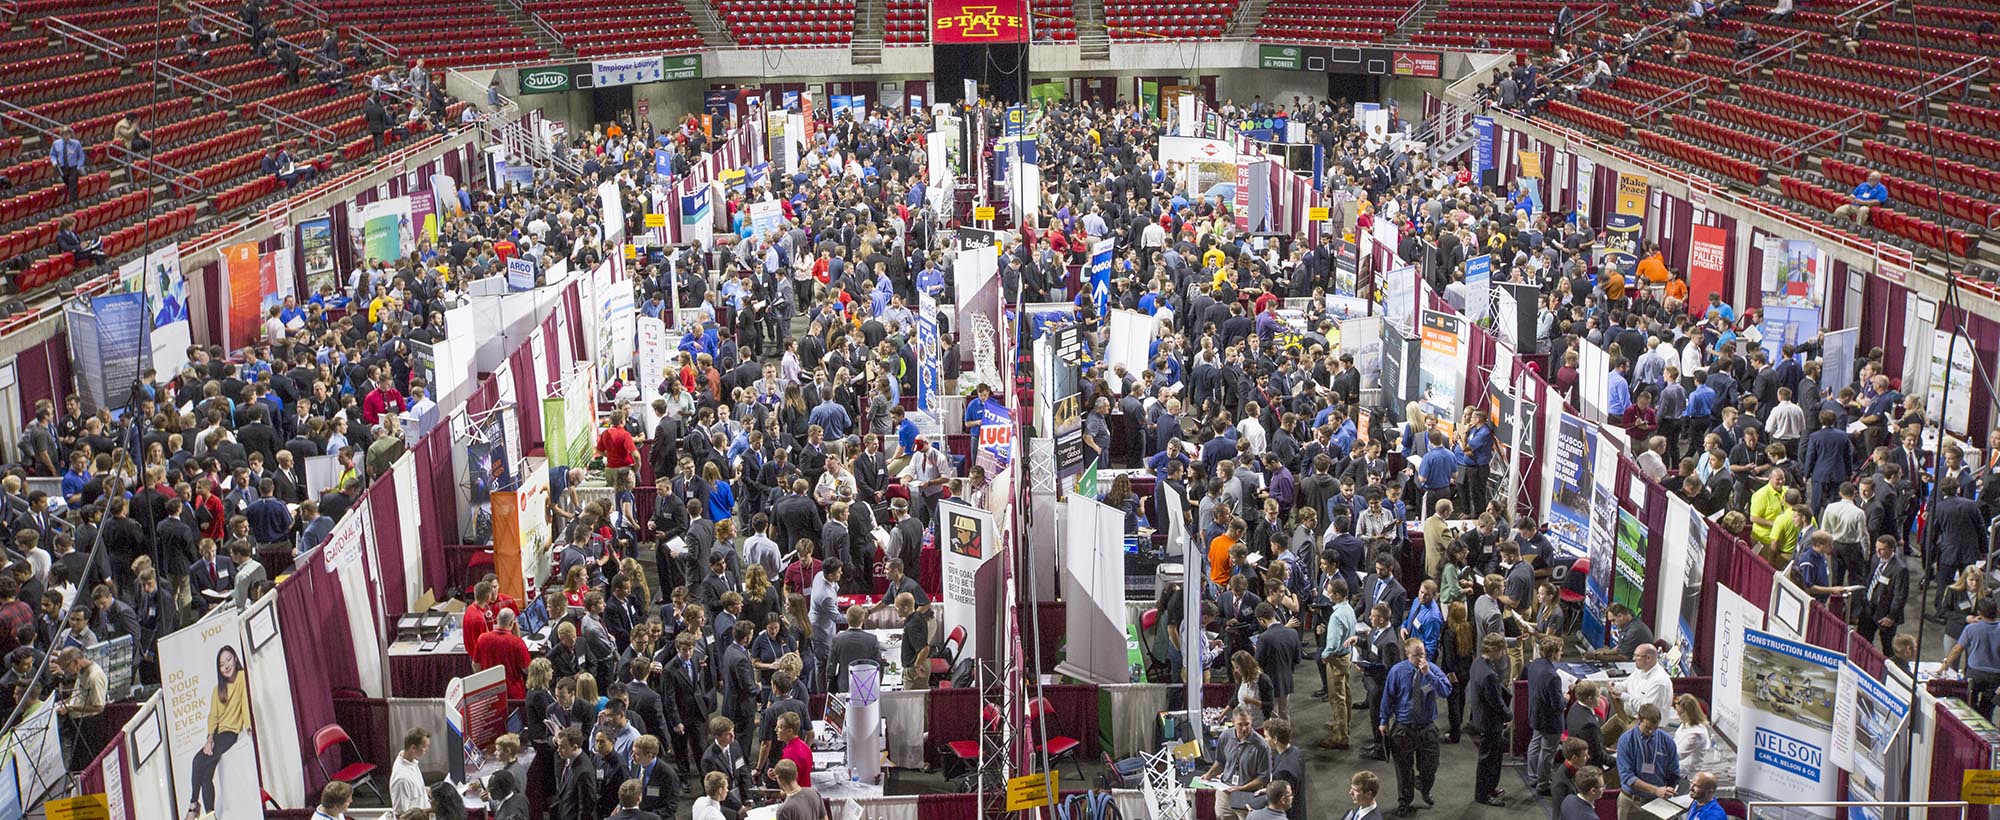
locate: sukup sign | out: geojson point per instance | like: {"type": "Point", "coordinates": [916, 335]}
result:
{"type": "Point", "coordinates": [979, 21]}
{"type": "Point", "coordinates": [550, 80]}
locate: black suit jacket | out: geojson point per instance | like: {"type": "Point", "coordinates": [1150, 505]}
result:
{"type": "Point", "coordinates": [739, 685]}
{"type": "Point", "coordinates": [1392, 594]}
{"type": "Point", "coordinates": [661, 789]}
{"type": "Point", "coordinates": [1278, 653]}
{"type": "Point", "coordinates": [576, 789]}
{"type": "Point", "coordinates": [649, 706]}
{"type": "Point", "coordinates": [1491, 699]}
{"type": "Point", "coordinates": [715, 759]}
{"type": "Point", "coordinates": [685, 698]}
{"type": "Point", "coordinates": [1545, 696]}
{"type": "Point", "coordinates": [1888, 590]}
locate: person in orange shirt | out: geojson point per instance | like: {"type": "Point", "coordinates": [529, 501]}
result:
{"type": "Point", "coordinates": [1653, 269]}
{"type": "Point", "coordinates": [1218, 553]}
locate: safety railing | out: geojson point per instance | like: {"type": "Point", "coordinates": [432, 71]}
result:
{"type": "Point", "coordinates": [80, 36]}
{"type": "Point", "coordinates": [286, 121]}
{"type": "Point", "coordinates": [178, 180]}
{"type": "Point", "coordinates": [219, 19]}
{"type": "Point", "coordinates": [1679, 97]}
{"type": "Point", "coordinates": [378, 45]}
{"type": "Point", "coordinates": [27, 119]}
{"type": "Point", "coordinates": [308, 10]}
{"type": "Point", "coordinates": [194, 85]}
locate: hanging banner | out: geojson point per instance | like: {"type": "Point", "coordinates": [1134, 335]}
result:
{"type": "Point", "coordinates": [1399, 295]}
{"type": "Point", "coordinates": [1734, 615]}
{"type": "Point", "coordinates": [1398, 377]}
{"type": "Point", "coordinates": [1707, 250]}
{"type": "Point", "coordinates": [1951, 360]}
{"type": "Point", "coordinates": [1788, 689]}
{"type": "Point", "coordinates": [316, 255]}
{"type": "Point", "coordinates": [627, 71]}
{"type": "Point", "coordinates": [697, 218]}
{"type": "Point", "coordinates": [387, 233]}
{"type": "Point", "coordinates": [166, 303]}
{"type": "Point", "coordinates": [1802, 281]}
{"type": "Point", "coordinates": [1478, 286]}
{"type": "Point", "coordinates": [1569, 505]}
{"type": "Point", "coordinates": [122, 348]}
{"type": "Point", "coordinates": [1868, 738]}
{"type": "Point", "coordinates": [207, 699]}
{"type": "Point", "coordinates": [1100, 275]}
{"type": "Point", "coordinates": [1602, 541]}
{"type": "Point", "coordinates": [1441, 376]}
{"type": "Point", "coordinates": [1683, 557]}
{"type": "Point", "coordinates": [652, 363]}
{"type": "Point", "coordinates": [1483, 147]}
{"type": "Point", "coordinates": [1627, 222]}
{"type": "Point", "coordinates": [1631, 586]}
{"type": "Point", "coordinates": [970, 542]}
{"type": "Point", "coordinates": [240, 268]}
{"type": "Point", "coordinates": [930, 367]}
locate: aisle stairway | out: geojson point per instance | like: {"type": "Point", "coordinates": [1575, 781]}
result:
{"type": "Point", "coordinates": [1091, 38]}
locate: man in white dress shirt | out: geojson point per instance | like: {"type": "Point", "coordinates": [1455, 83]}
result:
{"type": "Point", "coordinates": [406, 781]}
{"type": "Point", "coordinates": [1649, 684]}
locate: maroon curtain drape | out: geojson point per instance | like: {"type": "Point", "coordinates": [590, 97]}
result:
{"type": "Point", "coordinates": [315, 625]}
{"type": "Point", "coordinates": [952, 714]}
{"type": "Point", "coordinates": [385, 512]}
{"type": "Point", "coordinates": [1959, 749]}
{"type": "Point", "coordinates": [528, 390]}
{"type": "Point", "coordinates": [1073, 713]}
{"type": "Point", "coordinates": [1826, 630]}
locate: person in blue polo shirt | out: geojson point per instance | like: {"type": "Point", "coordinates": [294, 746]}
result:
{"type": "Point", "coordinates": [1648, 765]}
{"type": "Point", "coordinates": [1867, 195]}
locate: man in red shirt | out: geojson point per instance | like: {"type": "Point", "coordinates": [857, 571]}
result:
{"type": "Point", "coordinates": [501, 647]}
{"type": "Point", "coordinates": [790, 746]}
{"type": "Point", "coordinates": [476, 620]}
{"type": "Point", "coordinates": [615, 444]}
{"type": "Point", "coordinates": [385, 398]}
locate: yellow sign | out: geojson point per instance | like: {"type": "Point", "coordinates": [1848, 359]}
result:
{"type": "Point", "coordinates": [1031, 791]}
{"type": "Point", "coordinates": [1531, 164]}
{"type": "Point", "coordinates": [1981, 788]}
{"type": "Point", "coordinates": [983, 213]}
{"type": "Point", "coordinates": [1632, 192]}
{"type": "Point", "coordinates": [631, 251]}
{"type": "Point", "coordinates": [656, 220]}
{"type": "Point", "coordinates": [1319, 214]}
{"type": "Point", "coordinates": [88, 807]}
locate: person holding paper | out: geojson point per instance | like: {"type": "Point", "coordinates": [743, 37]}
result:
{"type": "Point", "coordinates": [1648, 765]}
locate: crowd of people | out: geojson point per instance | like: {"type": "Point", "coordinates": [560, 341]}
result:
{"type": "Point", "coordinates": [1363, 541]}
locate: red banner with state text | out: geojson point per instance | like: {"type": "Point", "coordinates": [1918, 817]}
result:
{"type": "Point", "coordinates": [1706, 254]}
{"type": "Point", "coordinates": [979, 21]}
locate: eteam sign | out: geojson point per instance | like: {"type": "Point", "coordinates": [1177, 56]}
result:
{"type": "Point", "coordinates": [979, 21]}
{"type": "Point", "coordinates": [546, 80]}
{"type": "Point", "coordinates": [1418, 64]}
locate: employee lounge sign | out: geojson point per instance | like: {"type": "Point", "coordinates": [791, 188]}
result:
{"type": "Point", "coordinates": [557, 79]}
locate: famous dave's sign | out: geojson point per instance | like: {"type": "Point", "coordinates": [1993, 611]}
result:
{"type": "Point", "coordinates": [979, 21]}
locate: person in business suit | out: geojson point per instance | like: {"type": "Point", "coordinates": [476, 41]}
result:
{"type": "Point", "coordinates": [643, 702]}
{"type": "Point", "coordinates": [1383, 650]}
{"type": "Point", "coordinates": [721, 756]}
{"type": "Point", "coordinates": [1383, 588]}
{"type": "Point", "coordinates": [83, 250]}
{"type": "Point", "coordinates": [630, 794]}
{"type": "Point", "coordinates": [1545, 711]}
{"type": "Point", "coordinates": [687, 700]}
{"type": "Point", "coordinates": [210, 573]}
{"type": "Point", "coordinates": [1562, 776]}
{"type": "Point", "coordinates": [157, 617]}
{"type": "Point", "coordinates": [1958, 530]}
{"type": "Point", "coordinates": [1582, 805]}
{"type": "Point", "coordinates": [659, 784]}
{"type": "Point", "coordinates": [1277, 651]}
{"type": "Point", "coordinates": [1881, 609]}
{"type": "Point", "coordinates": [1362, 789]}
{"type": "Point", "coordinates": [1583, 724]}
{"type": "Point", "coordinates": [1492, 711]}
{"type": "Point", "coordinates": [611, 770]}
{"type": "Point", "coordinates": [576, 790]}
{"type": "Point", "coordinates": [740, 689]}
{"type": "Point", "coordinates": [850, 645]}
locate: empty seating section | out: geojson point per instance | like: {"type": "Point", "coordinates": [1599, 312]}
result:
{"type": "Point", "coordinates": [1500, 23]}
{"type": "Point", "coordinates": [1973, 116]}
{"type": "Point", "coordinates": [908, 22]}
{"type": "Point", "coordinates": [1744, 171]}
{"type": "Point", "coordinates": [1362, 21]}
{"type": "Point", "coordinates": [1944, 169]}
{"type": "Point", "coordinates": [615, 27]}
{"type": "Point", "coordinates": [442, 33]}
{"type": "Point", "coordinates": [1053, 21]}
{"type": "Point", "coordinates": [1777, 152]}
{"type": "Point", "coordinates": [788, 23]}
{"type": "Point", "coordinates": [1592, 121]}
{"type": "Point", "coordinates": [1175, 19]}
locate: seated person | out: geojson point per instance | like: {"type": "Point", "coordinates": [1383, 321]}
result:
{"type": "Point", "coordinates": [127, 134]}
{"type": "Point", "coordinates": [1868, 195]}
{"type": "Point", "coordinates": [278, 163]}
{"type": "Point", "coordinates": [70, 241]}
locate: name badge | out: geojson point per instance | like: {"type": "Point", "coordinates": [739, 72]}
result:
{"type": "Point", "coordinates": [1648, 768]}
{"type": "Point", "coordinates": [652, 791]}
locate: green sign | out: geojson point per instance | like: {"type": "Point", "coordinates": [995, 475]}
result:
{"type": "Point", "coordinates": [1283, 57]}
{"type": "Point", "coordinates": [684, 67]}
{"type": "Point", "coordinates": [548, 80]}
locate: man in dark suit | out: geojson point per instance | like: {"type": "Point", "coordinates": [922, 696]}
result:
{"type": "Point", "coordinates": [157, 617]}
{"type": "Point", "coordinates": [1881, 609]}
{"type": "Point", "coordinates": [686, 697]}
{"type": "Point", "coordinates": [1278, 653]}
{"type": "Point", "coordinates": [287, 482]}
{"type": "Point", "coordinates": [1545, 712]}
{"type": "Point", "coordinates": [796, 517]}
{"type": "Point", "coordinates": [1492, 711]}
{"type": "Point", "coordinates": [659, 784]}
{"type": "Point", "coordinates": [785, 692]}
{"type": "Point", "coordinates": [1958, 532]}
{"type": "Point", "coordinates": [740, 689]}
{"type": "Point", "coordinates": [260, 437]}
{"type": "Point", "coordinates": [576, 779]}
{"type": "Point", "coordinates": [1383, 588]}
{"type": "Point", "coordinates": [850, 645]}
{"type": "Point", "coordinates": [643, 702]}
{"type": "Point", "coordinates": [722, 756]}
{"type": "Point", "coordinates": [1828, 459]}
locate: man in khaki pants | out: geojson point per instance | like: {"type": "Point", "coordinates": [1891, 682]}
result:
{"type": "Point", "coordinates": [1338, 646]}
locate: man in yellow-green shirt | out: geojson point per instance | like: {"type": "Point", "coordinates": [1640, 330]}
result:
{"type": "Point", "coordinates": [1765, 506]}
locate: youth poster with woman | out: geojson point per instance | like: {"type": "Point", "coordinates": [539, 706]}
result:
{"type": "Point", "coordinates": [207, 701]}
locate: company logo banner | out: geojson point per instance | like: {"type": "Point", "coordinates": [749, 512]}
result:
{"type": "Point", "coordinates": [979, 21]}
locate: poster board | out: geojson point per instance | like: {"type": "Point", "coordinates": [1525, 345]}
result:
{"type": "Point", "coordinates": [971, 540]}
{"type": "Point", "coordinates": [203, 674]}
{"type": "Point", "coordinates": [1787, 689]}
